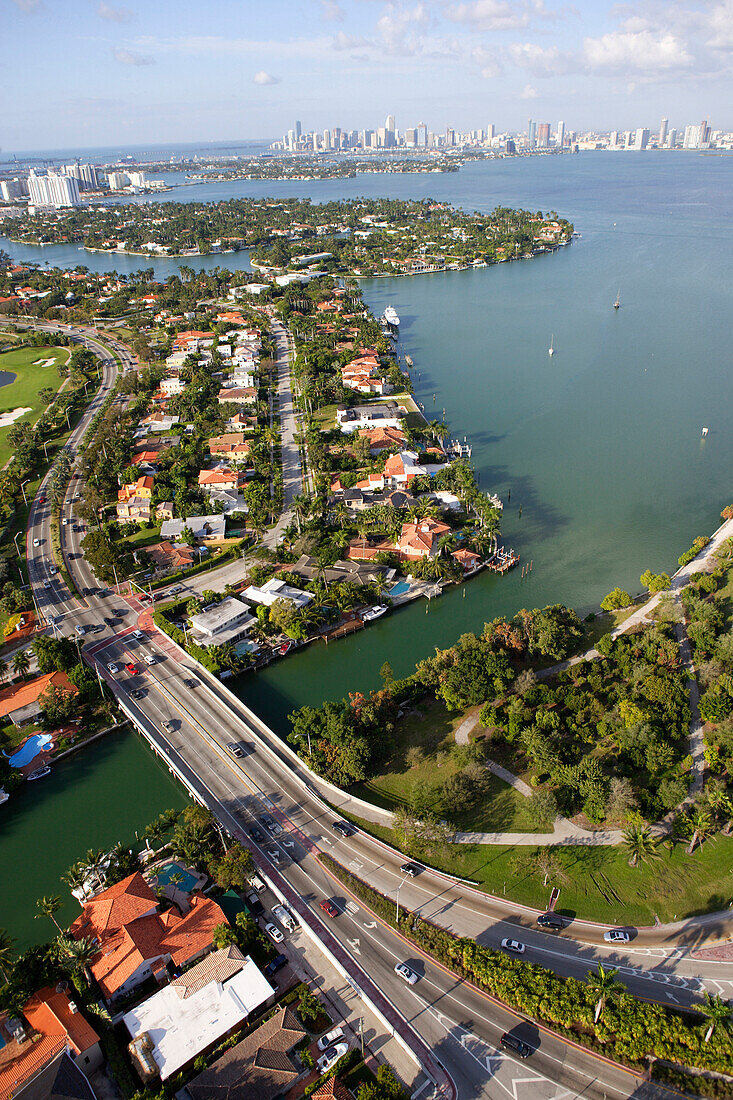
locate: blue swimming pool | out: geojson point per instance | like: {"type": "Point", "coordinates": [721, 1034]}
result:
{"type": "Point", "coordinates": [400, 588]}
{"type": "Point", "coordinates": [31, 748]}
{"type": "Point", "coordinates": [165, 874]}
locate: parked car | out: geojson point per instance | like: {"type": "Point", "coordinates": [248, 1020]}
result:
{"type": "Point", "coordinates": [64, 522]}
{"type": "Point", "coordinates": [513, 945]}
{"type": "Point", "coordinates": [331, 1057]}
{"type": "Point", "coordinates": [403, 970]}
{"type": "Point", "coordinates": [412, 870]}
{"type": "Point", "coordinates": [256, 883]}
{"type": "Point", "coordinates": [274, 933]}
{"type": "Point", "coordinates": [332, 1037]}
{"type": "Point", "coordinates": [616, 935]}
{"type": "Point", "coordinates": [511, 1042]}
{"type": "Point", "coordinates": [277, 964]}
{"type": "Point", "coordinates": [254, 903]}
{"type": "Point", "coordinates": [329, 908]}
{"type": "Point", "coordinates": [46, 584]}
{"type": "Point", "coordinates": [284, 916]}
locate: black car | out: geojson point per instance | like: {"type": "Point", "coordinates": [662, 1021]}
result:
{"type": "Point", "coordinates": [257, 835]}
{"type": "Point", "coordinates": [342, 828]}
{"type": "Point", "coordinates": [412, 870]}
{"type": "Point", "coordinates": [277, 964]}
{"type": "Point", "coordinates": [138, 694]}
{"type": "Point", "coordinates": [254, 904]}
{"type": "Point", "coordinates": [511, 1042]}
{"type": "Point", "coordinates": [551, 921]}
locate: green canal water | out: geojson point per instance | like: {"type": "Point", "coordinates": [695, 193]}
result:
{"type": "Point", "coordinates": [94, 799]}
{"type": "Point", "coordinates": [600, 445]}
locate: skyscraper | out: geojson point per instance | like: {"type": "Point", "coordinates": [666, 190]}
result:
{"type": "Point", "coordinates": [422, 134]}
{"type": "Point", "coordinates": [543, 135]}
{"type": "Point", "coordinates": [298, 131]}
{"type": "Point", "coordinates": [52, 190]}
{"type": "Point", "coordinates": [490, 132]}
{"type": "Point", "coordinates": [663, 132]}
{"type": "Point", "coordinates": [531, 133]}
{"type": "Point", "coordinates": [560, 134]}
{"type": "Point", "coordinates": [641, 138]}
{"type": "Point", "coordinates": [389, 124]}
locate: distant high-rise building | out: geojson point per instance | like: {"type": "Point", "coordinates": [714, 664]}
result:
{"type": "Point", "coordinates": [298, 131]}
{"type": "Point", "coordinates": [692, 137]}
{"type": "Point", "coordinates": [326, 140]}
{"type": "Point", "coordinates": [663, 131]}
{"type": "Point", "coordinates": [704, 132]}
{"type": "Point", "coordinates": [411, 136]}
{"type": "Point", "coordinates": [84, 174]}
{"type": "Point", "coordinates": [490, 132]}
{"type": "Point", "coordinates": [382, 137]}
{"type": "Point", "coordinates": [641, 138]}
{"type": "Point", "coordinates": [390, 124]}
{"type": "Point", "coordinates": [560, 134]}
{"type": "Point", "coordinates": [118, 180]}
{"type": "Point", "coordinates": [613, 139]}
{"type": "Point", "coordinates": [450, 136]}
{"type": "Point", "coordinates": [422, 134]}
{"type": "Point", "coordinates": [531, 133]}
{"type": "Point", "coordinates": [543, 135]}
{"type": "Point", "coordinates": [53, 189]}
{"type": "Point", "coordinates": [671, 139]}
{"type": "Point", "coordinates": [13, 189]}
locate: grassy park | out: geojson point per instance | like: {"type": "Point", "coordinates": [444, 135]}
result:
{"type": "Point", "coordinates": [30, 379]}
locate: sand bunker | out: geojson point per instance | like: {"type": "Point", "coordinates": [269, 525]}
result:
{"type": "Point", "coordinates": [43, 362]}
{"type": "Point", "coordinates": [6, 419]}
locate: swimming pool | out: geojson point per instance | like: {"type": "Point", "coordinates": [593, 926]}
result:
{"type": "Point", "coordinates": [31, 748]}
{"type": "Point", "coordinates": [165, 874]}
{"type": "Point", "coordinates": [400, 588]}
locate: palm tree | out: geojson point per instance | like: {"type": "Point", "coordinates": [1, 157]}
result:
{"type": "Point", "coordinates": [76, 877]}
{"type": "Point", "coordinates": [21, 663]}
{"type": "Point", "coordinates": [6, 955]}
{"type": "Point", "coordinates": [717, 1012]}
{"type": "Point", "coordinates": [605, 986]}
{"type": "Point", "coordinates": [701, 825]}
{"type": "Point", "coordinates": [48, 906]}
{"type": "Point", "coordinates": [77, 954]}
{"type": "Point", "coordinates": [640, 844]}
{"type": "Point", "coordinates": [3, 669]}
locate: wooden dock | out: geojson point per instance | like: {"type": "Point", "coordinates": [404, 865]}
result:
{"type": "Point", "coordinates": [502, 560]}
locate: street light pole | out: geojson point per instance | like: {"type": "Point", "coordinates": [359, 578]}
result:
{"type": "Point", "coordinates": [22, 489]}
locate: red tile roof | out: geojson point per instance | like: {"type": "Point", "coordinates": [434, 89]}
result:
{"type": "Point", "coordinates": [22, 695]}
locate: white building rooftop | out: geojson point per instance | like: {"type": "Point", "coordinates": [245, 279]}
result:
{"type": "Point", "coordinates": [275, 589]}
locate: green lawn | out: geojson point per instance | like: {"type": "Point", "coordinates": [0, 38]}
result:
{"type": "Point", "coordinates": [325, 417]}
{"type": "Point", "coordinates": [23, 392]}
{"type": "Point", "coordinates": [431, 728]}
{"type": "Point", "coordinates": [144, 536]}
{"type": "Point", "coordinates": [674, 887]}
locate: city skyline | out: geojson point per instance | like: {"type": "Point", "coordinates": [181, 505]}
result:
{"type": "Point", "coordinates": [174, 72]}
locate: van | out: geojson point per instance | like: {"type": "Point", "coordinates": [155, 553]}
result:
{"type": "Point", "coordinates": [284, 916]}
{"type": "Point", "coordinates": [256, 883]}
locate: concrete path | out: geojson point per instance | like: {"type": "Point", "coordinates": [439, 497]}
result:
{"type": "Point", "coordinates": [289, 448]}
{"type": "Point", "coordinates": [466, 728]}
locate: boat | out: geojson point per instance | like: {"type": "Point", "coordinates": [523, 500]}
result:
{"type": "Point", "coordinates": [551, 349]}
{"type": "Point", "coordinates": [39, 773]}
{"type": "Point", "coordinates": [285, 648]}
{"type": "Point", "coordinates": [390, 316]}
{"type": "Point", "coordinates": [4, 796]}
{"type": "Point", "coordinates": [373, 613]}
{"type": "Point", "coordinates": [617, 303]}
{"type": "Point", "coordinates": [705, 432]}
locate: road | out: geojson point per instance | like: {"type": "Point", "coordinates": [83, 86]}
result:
{"type": "Point", "coordinates": [192, 716]}
{"type": "Point", "coordinates": [289, 448]}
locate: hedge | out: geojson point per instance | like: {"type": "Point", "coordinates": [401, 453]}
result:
{"type": "Point", "coordinates": [629, 1030]}
{"type": "Point", "coordinates": [699, 544]}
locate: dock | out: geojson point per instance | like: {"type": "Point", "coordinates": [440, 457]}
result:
{"type": "Point", "coordinates": [502, 560]}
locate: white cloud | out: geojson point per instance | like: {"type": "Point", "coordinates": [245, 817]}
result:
{"type": "Point", "coordinates": [129, 57]}
{"type": "Point", "coordinates": [539, 60]}
{"type": "Point", "coordinates": [489, 15]}
{"type": "Point", "coordinates": [343, 41]}
{"type": "Point", "coordinates": [400, 28]}
{"type": "Point", "coordinates": [331, 11]}
{"type": "Point", "coordinates": [528, 92]}
{"type": "Point", "coordinates": [487, 61]}
{"type": "Point", "coordinates": [265, 78]}
{"type": "Point", "coordinates": [636, 51]}
{"type": "Point", "coordinates": [28, 5]}
{"type": "Point", "coordinates": [114, 15]}
{"type": "Point", "coordinates": [720, 26]}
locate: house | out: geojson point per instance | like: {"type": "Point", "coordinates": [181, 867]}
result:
{"type": "Point", "coordinates": [261, 1067]}
{"type": "Point", "coordinates": [136, 508]}
{"type": "Point", "coordinates": [383, 439]}
{"type": "Point", "coordinates": [143, 487]}
{"type": "Point", "coordinates": [276, 589]}
{"type": "Point", "coordinates": [196, 1011]}
{"type": "Point", "coordinates": [159, 421]}
{"type": "Point", "coordinates": [331, 1089]}
{"type": "Point", "coordinates": [230, 318]}
{"type": "Point", "coordinates": [400, 469]}
{"type": "Point", "coordinates": [227, 621]}
{"type": "Point", "coordinates": [387, 414]}
{"type": "Point", "coordinates": [169, 557]}
{"type": "Point", "coordinates": [231, 443]}
{"type": "Point", "coordinates": [172, 385]}
{"type": "Point", "coordinates": [239, 395]}
{"type": "Point", "coordinates": [223, 479]}
{"type": "Point", "coordinates": [137, 940]}
{"type": "Point", "coordinates": [420, 539]}
{"type": "Point", "coordinates": [164, 510]}
{"type": "Point", "coordinates": [205, 528]}
{"type": "Point", "coordinates": [309, 569]}
{"type": "Point", "coordinates": [146, 460]}
{"type": "Point", "coordinates": [52, 1054]}
{"type": "Point", "coordinates": [467, 559]}
{"type": "Point", "coordinates": [243, 421]}
{"type": "Point", "coordinates": [22, 702]}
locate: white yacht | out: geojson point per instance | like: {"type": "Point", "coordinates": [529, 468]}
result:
{"type": "Point", "coordinates": [551, 349]}
{"type": "Point", "coordinates": [390, 316]}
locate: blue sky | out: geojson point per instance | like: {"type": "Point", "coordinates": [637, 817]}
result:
{"type": "Point", "coordinates": [77, 73]}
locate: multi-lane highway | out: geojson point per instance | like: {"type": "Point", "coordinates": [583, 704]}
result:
{"type": "Point", "coordinates": [191, 717]}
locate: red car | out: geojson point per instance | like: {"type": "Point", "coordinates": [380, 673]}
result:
{"type": "Point", "coordinates": [41, 500]}
{"type": "Point", "coordinates": [329, 908]}
{"type": "Point", "coordinates": [132, 669]}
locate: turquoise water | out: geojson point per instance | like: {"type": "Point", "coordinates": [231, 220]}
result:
{"type": "Point", "coordinates": [165, 874]}
{"type": "Point", "coordinates": [31, 748]}
{"type": "Point", "coordinates": [400, 588]}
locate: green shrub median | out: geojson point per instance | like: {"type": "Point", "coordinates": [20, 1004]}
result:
{"type": "Point", "coordinates": [608, 1020]}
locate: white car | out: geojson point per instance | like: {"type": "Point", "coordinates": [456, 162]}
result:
{"type": "Point", "coordinates": [274, 933]}
{"type": "Point", "coordinates": [113, 668]}
{"type": "Point", "coordinates": [332, 1037]}
{"type": "Point", "coordinates": [64, 522]}
{"type": "Point", "coordinates": [149, 659]}
{"type": "Point", "coordinates": [46, 584]}
{"type": "Point", "coordinates": [404, 972]}
{"type": "Point", "coordinates": [616, 935]}
{"type": "Point", "coordinates": [36, 542]}
{"type": "Point", "coordinates": [331, 1057]}
{"type": "Point", "coordinates": [513, 945]}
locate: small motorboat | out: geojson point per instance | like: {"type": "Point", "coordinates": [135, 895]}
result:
{"type": "Point", "coordinates": [39, 773]}
{"type": "Point", "coordinates": [373, 613]}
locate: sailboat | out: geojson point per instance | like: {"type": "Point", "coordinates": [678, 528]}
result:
{"type": "Point", "coordinates": [551, 350]}
{"type": "Point", "coordinates": [617, 303]}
